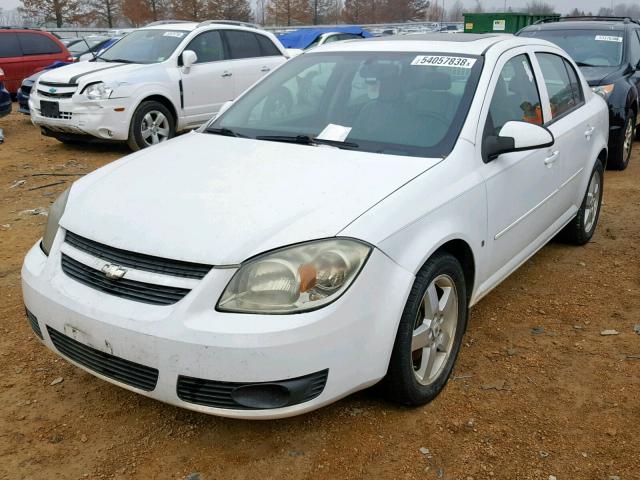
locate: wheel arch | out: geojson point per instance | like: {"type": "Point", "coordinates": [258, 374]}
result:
{"type": "Point", "coordinates": [462, 251]}
{"type": "Point", "coordinates": [156, 97]}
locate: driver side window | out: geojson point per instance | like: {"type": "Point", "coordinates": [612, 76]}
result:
{"type": "Point", "coordinates": [515, 96]}
{"type": "Point", "coordinates": [208, 47]}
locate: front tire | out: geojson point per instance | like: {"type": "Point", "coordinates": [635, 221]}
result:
{"type": "Point", "coordinates": [430, 333]}
{"type": "Point", "coordinates": [580, 230]}
{"type": "Point", "coordinates": [152, 123]}
{"type": "Point", "coordinates": [621, 151]}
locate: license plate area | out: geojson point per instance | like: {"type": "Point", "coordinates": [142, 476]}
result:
{"type": "Point", "coordinates": [49, 109]}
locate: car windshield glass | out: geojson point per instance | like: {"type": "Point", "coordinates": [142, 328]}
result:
{"type": "Point", "coordinates": [145, 46]}
{"type": "Point", "coordinates": [588, 48]}
{"type": "Point", "coordinates": [396, 103]}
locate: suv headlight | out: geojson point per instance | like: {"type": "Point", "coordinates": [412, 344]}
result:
{"type": "Point", "coordinates": [295, 279]}
{"type": "Point", "coordinates": [603, 90]}
{"type": "Point", "coordinates": [98, 91]}
{"type": "Point", "coordinates": [55, 213]}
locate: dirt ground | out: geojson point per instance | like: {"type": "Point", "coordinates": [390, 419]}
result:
{"type": "Point", "coordinates": [537, 391]}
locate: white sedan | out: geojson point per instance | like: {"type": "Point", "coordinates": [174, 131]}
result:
{"type": "Point", "coordinates": [328, 231]}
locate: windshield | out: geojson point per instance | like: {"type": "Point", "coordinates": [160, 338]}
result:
{"type": "Point", "coordinates": [145, 46]}
{"type": "Point", "coordinates": [588, 48]}
{"type": "Point", "coordinates": [384, 102]}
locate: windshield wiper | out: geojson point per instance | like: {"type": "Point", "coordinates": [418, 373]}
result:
{"type": "Point", "coordinates": [227, 132]}
{"type": "Point", "coordinates": [307, 140]}
{"type": "Point", "coordinates": [583, 64]}
{"type": "Point", "coordinates": [117, 60]}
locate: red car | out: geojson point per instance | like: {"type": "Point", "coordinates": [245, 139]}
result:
{"type": "Point", "coordinates": [24, 52]}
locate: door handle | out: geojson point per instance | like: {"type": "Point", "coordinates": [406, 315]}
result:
{"type": "Point", "coordinates": [589, 132]}
{"type": "Point", "coordinates": [226, 74]}
{"type": "Point", "coordinates": [265, 69]}
{"type": "Point", "coordinates": [552, 158]}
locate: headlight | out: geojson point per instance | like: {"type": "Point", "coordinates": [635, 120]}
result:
{"type": "Point", "coordinates": [55, 213]}
{"type": "Point", "coordinates": [603, 90]}
{"type": "Point", "coordinates": [98, 91]}
{"type": "Point", "coordinates": [294, 279]}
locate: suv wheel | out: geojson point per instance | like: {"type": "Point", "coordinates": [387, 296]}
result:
{"type": "Point", "coordinates": [152, 123]}
{"type": "Point", "coordinates": [430, 333]}
{"type": "Point", "coordinates": [621, 153]}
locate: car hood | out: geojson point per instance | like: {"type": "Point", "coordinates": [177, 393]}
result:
{"type": "Point", "coordinates": [87, 72]}
{"type": "Point", "coordinates": [600, 75]}
{"type": "Point", "coordinates": [220, 200]}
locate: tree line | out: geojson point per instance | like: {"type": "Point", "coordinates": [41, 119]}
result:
{"type": "Point", "coordinates": [135, 13]}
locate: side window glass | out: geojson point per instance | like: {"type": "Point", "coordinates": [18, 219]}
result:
{"type": "Point", "coordinates": [576, 86]}
{"type": "Point", "coordinates": [267, 48]}
{"type": "Point", "coordinates": [634, 49]}
{"type": "Point", "coordinates": [242, 44]}
{"type": "Point", "coordinates": [515, 97]}
{"type": "Point", "coordinates": [36, 44]}
{"type": "Point", "coordinates": [556, 78]}
{"type": "Point", "coordinates": [208, 47]}
{"type": "Point", "coordinates": [9, 46]}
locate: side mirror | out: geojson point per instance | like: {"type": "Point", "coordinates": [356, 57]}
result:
{"type": "Point", "coordinates": [189, 57]}
{"type": "Point", "coordinates": [516, 137]}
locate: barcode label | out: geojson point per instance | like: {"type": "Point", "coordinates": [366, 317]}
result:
{"type": "Point", "coordinates": [444, 61]}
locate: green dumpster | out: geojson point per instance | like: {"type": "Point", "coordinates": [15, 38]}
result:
{"type": "Point", "coordinates": [509, 22]}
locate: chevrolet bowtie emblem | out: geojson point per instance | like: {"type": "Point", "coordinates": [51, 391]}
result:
{"type": "Point", "coordinates": [113, 272]}
{"type": "Point", "coordinates": [53, 90]}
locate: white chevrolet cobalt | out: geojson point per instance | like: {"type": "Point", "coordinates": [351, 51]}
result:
{"type": "Point", "coordinates": [156, 81]}
{"type": "Point", "coordinates": [328, 231]}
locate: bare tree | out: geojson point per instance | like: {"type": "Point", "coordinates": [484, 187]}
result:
{"type": "Point", "coordinates": [539, 7]}
{"type": "Point", "coordinates": [58, 11]}
{"type": "Point", "coordinates": [103, 12]}
{"type": "Point", "coordinates": [456, 12]}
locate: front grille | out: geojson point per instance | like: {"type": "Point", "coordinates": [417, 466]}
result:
{"type": "Point", "coordinates": [26, 89]}
{"type": "Point", "coordinates": [131, 373]}
{"type": "Point", "coordinates": [212, 393]}
{"type": "Point", "coordinates": [55, 95]}
{"type": "Point", "coordinates": [35, 326]}
{"type": "Point", "coordinates": [58, 84]}
{"type": "Point", "coordinates": [60, 116]}
{"type": "Point", "coordinates": [124, 288]}
{"type": "Point", "coordinates": [139, 261]}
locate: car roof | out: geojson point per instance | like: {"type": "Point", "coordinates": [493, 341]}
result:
{"type": "Point", "coordinates": [469, 43]}
{"type": "Point", "coordinates": [191, 26]}
{"type": "Point", "coordinates": [580, 25]}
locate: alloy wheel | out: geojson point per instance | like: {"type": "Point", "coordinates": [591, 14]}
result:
{"type": "Point", "coordinates": [628, 140]}
{"type": "Point", "coordinates": [435, 329]}
{"type": "Point", "coordinates": [592, 202]}
{"type": "Point", "coordinates": [154, 127]}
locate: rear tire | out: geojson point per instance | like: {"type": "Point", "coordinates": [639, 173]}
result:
{"type": "Point", "coordinates": [430, 333]}
{"type": "Point", "coordinates": [580, 230]}
{"type": "Point", "coordinates": [621, 151]}
{"type": "Point", "coordinates": [152, 123]}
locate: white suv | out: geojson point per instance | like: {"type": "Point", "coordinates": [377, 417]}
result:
{"type": "Point", "coordinates": [156, 81]}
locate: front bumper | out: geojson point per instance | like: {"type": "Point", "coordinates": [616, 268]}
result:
{"type": "Point", "coordinates": [352, 338]}
{"type": "Point", "coordinates": [23, 102]}
{"type": "Point", "coordinates": [84, 117]}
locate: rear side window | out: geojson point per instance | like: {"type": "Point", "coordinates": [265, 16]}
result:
{"type": "Point", "coordinates": [242, 44]}
{"type": "Point", "coordinates": [559, 85]}
{"type": "Point", "coordinates": [634, 48]}
{"type": "Point", "coordinates": [9, 46]}
{"type": "Point", "coordinates": [515, 97]}
{"type": "Point", "coordinates": [576, 86]}
{"type": "Point", "coordinates": [267, 48]}
{"type": "Point", "coordinates": [36, 44]}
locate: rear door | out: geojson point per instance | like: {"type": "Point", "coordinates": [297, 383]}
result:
{"type": "Point", "coordinates": [521, 186]}
{"type": "Point", "coordinates": [253, 56]}
{"type": "Point", "coordinates": [11, 60]}
{"type": "Point", "coordinates": [209, 82]}
{"type": "Point", "coordinates": [571, 121]}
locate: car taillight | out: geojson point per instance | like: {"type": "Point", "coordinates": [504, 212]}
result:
{"type": "Point", "coordinates": [1, 75]}
{"type": "Point", "coordinates": [71, 59]}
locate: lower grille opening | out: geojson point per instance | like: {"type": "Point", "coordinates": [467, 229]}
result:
{"type": "Point", "coordinates": [125, 371]}
{"type": "Point", "coordinates": [251, 396]}
{"type": "Point", "coordinates": [35, 326]}
{"type": "Point", "coordinates": [129, 289]}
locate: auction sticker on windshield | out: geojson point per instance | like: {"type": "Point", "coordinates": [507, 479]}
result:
{"type": "Point", "coordinates": [609, 38]}
{"type": "Point", "coordinates": [173, 34]}
{"type": "Point", "coordinates": [443, 61]}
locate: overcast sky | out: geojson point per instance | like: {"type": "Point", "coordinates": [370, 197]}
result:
{"type": "Point", "coordinates": [562, 6]}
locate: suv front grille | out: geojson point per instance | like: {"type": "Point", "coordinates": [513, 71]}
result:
{"type": "Point", "coordinates": [139, 261]}
{"type": "Point", "coordinates": [124, 288]}
{"type": "Point", "coordinates": [42, 93]}
{"type": "Point", "coordinates": [125, 371]}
